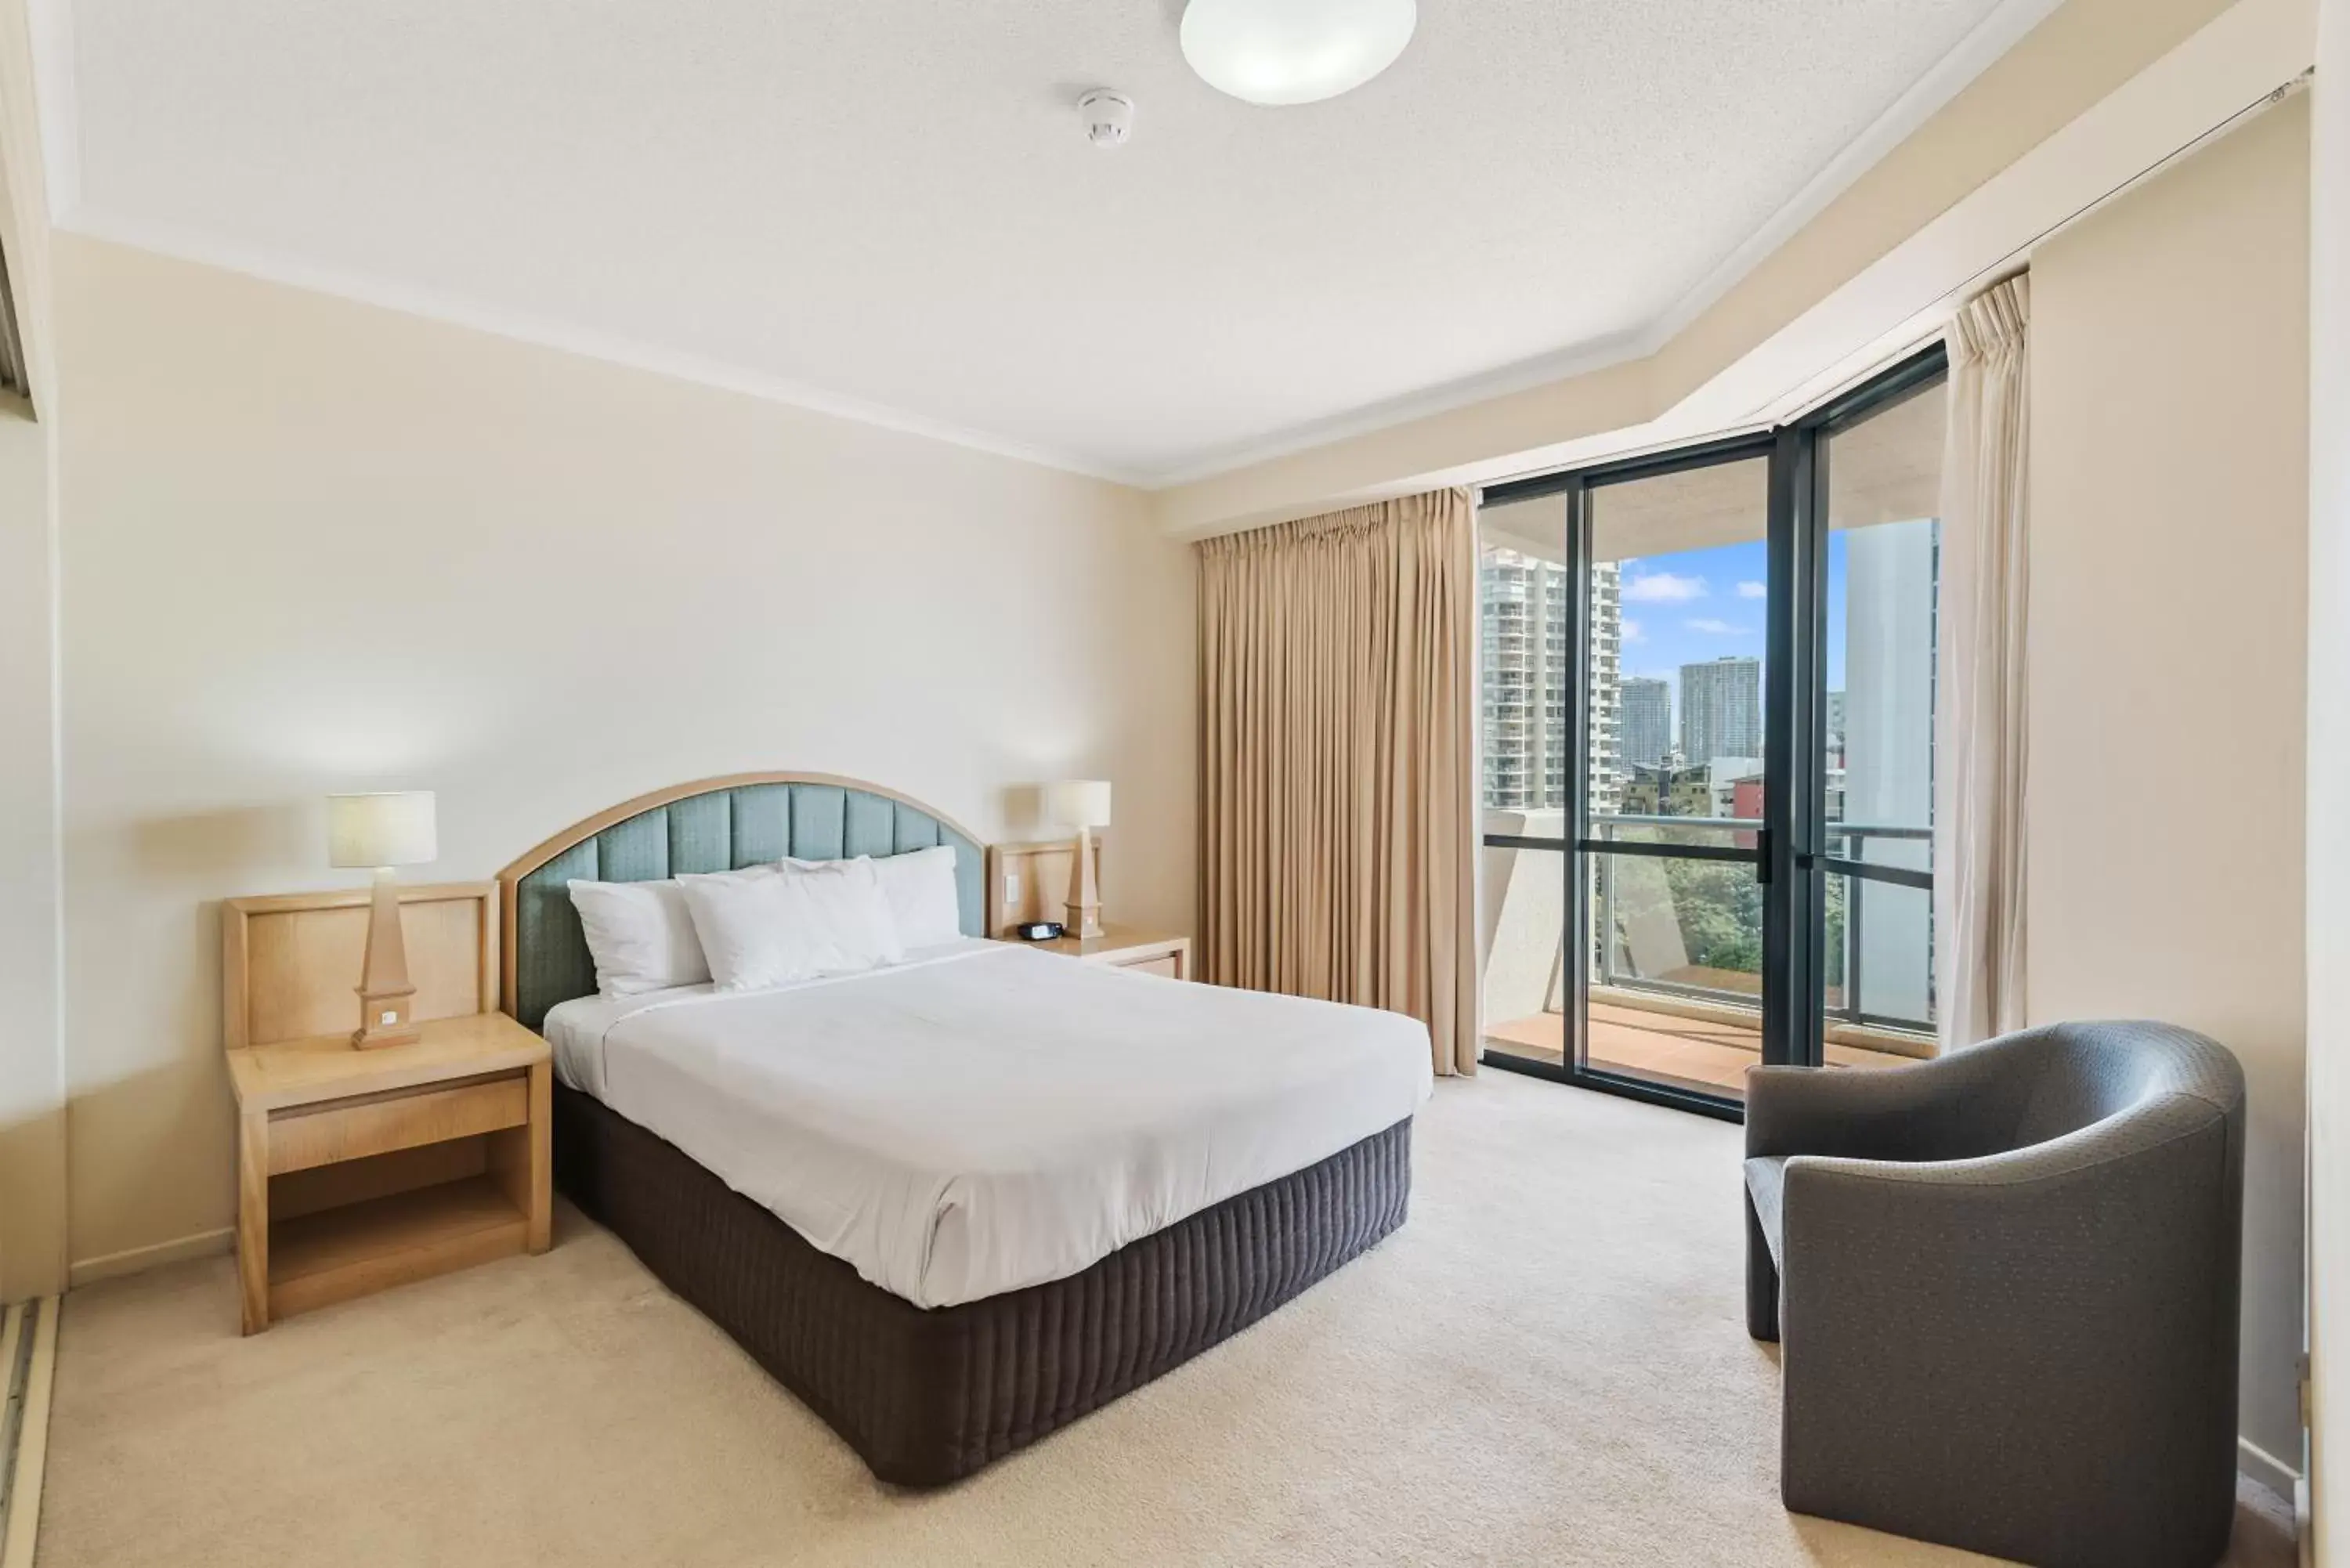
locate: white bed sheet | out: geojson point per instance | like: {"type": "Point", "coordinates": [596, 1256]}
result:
{"type": "Point", "coordinates": [576, 1028]}
{"type": "Point", "coordinates": [984, 1117]}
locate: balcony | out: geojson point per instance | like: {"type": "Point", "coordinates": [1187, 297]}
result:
{"type": "Point", "coordinates": [1675, 993]}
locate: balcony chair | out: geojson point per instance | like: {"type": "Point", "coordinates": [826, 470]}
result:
{"type": "Point", "coordinates": [2007, 1285]}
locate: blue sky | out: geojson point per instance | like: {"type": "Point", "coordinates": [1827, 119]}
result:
{"type": "Point", "coordinates": [1702, 604]}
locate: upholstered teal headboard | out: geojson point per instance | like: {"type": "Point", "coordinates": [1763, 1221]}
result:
{"type": "Point", "coordinates": [717, 825]}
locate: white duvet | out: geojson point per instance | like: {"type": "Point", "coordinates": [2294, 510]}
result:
{"type": "Point", "coordinates": [984, 1117]}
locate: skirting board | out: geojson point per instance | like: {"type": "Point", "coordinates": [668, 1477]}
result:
{"type": "Point", "coordinates": [2267, 1468]}
{"type": "Point", "coordinates": [202, 1244]}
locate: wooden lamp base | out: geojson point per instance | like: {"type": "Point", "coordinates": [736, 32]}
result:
{"type": "Point", "coordinates": [1085, 894]}
{"type": "Point", "coordinates": [385, 994]}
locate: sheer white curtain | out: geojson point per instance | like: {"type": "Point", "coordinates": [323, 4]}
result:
{"type": "Point", "coordinates": [1978, 872]}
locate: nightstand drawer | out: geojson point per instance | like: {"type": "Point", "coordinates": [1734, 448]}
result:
{"type": "Point", "coordinates": [353, 1130]}
{"type": "Point", "coordinates": [1167, 966]}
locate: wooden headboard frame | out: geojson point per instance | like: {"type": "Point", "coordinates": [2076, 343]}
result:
{"type": "Point", "coordinates": [580, 832]}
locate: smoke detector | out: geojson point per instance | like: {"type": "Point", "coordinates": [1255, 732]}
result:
{"type": "Point", "coordinates": [1109, 117]}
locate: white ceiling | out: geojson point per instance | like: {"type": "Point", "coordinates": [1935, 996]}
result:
{"type": "Point", "coordinates": [887, 206]}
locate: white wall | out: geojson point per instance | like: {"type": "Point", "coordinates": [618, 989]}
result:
{"type": "Point", "coordinates": [2169, 516]}
{"type": "Point", "coordinates": [32, 1082]}
{"type": "Point", "coordinates": [311, 545]}
{"type": "Point", "coordinates": [2329, 764]}
{"type": "Point", "coordinates": [31, 1064]}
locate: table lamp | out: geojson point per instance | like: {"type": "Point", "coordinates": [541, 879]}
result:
{"type": "Point", "coordinates": [378, 831]}
{"type": "Point", "coordinates": [1084, 804]}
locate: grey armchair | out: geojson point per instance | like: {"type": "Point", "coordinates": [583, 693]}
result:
{"type": "Point", "coordinates": [2006, 1282]}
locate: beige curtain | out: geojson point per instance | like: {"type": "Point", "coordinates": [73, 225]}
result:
{"type": "Point", "coordinates": [1978, 804]}
{"type": "Point", "coordinates": [1337, 758]}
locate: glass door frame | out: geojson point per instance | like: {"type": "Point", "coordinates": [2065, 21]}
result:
{"type": "Point", "coordinates": [1575, 487]}
{"type": "Point", "coordinates": [1795, 735]}
{"type": "Point", "coordinates": [1790, 857]}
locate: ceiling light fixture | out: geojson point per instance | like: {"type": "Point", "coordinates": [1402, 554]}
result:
{"type": "Point", "coordinates": [1294, 51]}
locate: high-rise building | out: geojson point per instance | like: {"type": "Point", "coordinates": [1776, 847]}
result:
{"type": "Point", "coordinates": [1647, 721]}
{"type": "Point", "coordinates": [1892, 572]}
{"type": "Point", "coordinates": [1525, 608]}
{"type": "Point", "coordinates": [1607, 743]}
{"type": "Point", "coordinates": [1522, 661]}
{"type": "Point", "coordinates": [1721, 709]}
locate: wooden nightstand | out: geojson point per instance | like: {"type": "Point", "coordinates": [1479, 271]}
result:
{"type": "Point", "coordinates": [362, 1169]}
{"type": "Point", "coordinates": [1128, 947]}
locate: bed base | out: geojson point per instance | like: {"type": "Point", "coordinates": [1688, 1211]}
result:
{"type": "Point", "coordinates": [928, 1397]}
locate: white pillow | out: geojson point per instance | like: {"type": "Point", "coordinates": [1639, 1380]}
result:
{"type": "Point", "coordinates": [853, 901]}
{"type": "Point", "coordinates": [920, 889]}
{"type": "Point", "coordinates": [640, 934]}
{"type": "Point", "coordinates": [760, 929]}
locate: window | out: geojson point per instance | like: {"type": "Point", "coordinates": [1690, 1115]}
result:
{"type": "Point", "coordinates": [1709, 755]}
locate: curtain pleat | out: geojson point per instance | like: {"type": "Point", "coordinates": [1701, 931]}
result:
{"type": "Point", "coordinates": [1337, 753]}
{"type": "Point", "coordinates": [1979, 821]}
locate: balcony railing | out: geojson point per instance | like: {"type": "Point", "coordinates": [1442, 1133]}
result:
{"type": "Point", "coordinates": [1847, 841]}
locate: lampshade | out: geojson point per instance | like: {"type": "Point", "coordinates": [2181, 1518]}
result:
{"type": "Point", "coordinates": [1293, 51]}
{"type": "Point", "coordinates": [391, 828]}
{"type": "Point", "coordinates": [1078, 802]}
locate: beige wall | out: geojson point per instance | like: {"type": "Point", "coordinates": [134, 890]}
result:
{"type": "Point", "coordinates": [2329, 764]}
{"type": "Point", "coordinates": [2169, 503]}
{"type": "Point", "coordinates": [312, 545]}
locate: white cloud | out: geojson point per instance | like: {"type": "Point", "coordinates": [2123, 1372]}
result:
{"type": "Point", "coordinates": [1752, 591]}
{"type": "Point", "coordinates": [1717, 628]}
{"type": "Point", "coordinates": [1633, 631]}
{"type": "Point", "coordinates": [1663, 588]}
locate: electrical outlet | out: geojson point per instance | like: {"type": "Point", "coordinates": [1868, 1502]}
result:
{"type": "Point", "coordinates": [1012, 887]}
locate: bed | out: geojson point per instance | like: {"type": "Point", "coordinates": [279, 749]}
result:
{"type": "Point", "coordinates": [958, 1203]}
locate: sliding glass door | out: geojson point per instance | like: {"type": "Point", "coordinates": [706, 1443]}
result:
{"type": "Point", "coordinates": [1530, 605]}
{"type": "Point", "coordinates": [1869, 860]}
{"type": "Point", "coordinates": [1707, 707]}
{"type": "Point", "coordinates": [1623, 707]}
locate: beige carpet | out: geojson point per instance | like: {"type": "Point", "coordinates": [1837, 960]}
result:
{"type": "Point", "coordinates": [1549, 1363]}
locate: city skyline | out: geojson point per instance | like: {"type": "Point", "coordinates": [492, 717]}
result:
{"type": "Point", "coordinates": [1695, 605]}
{"type": "Point", "coordinates": [1657, 625]}
{"type": "Point", "coordinates": [1677, 677]}
{"type": "Point", "coordinates": [1524, 615]}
